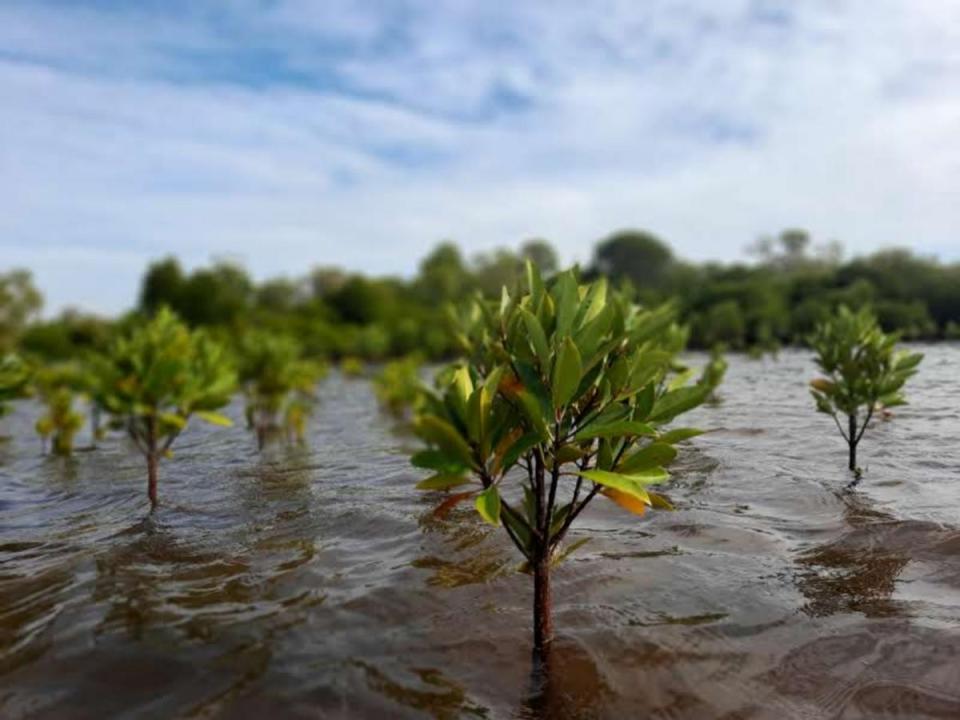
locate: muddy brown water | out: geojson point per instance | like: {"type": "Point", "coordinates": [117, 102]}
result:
{"type": "Point", "coordinates": [313, 582]}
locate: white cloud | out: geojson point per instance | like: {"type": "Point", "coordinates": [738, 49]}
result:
{"type": "Point", "coordinates": [362, 139]}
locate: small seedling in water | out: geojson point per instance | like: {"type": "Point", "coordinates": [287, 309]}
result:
{"type": "Point", "coordinates": [563, 396]}
{"type": "Point", "coordinates": [277, 383]}
{"type": "Point", "coordinates": [14, 376]}
{"type": "Point", "coordinates": [398, 386]}
{"type": "Point", "coordinates": [158, 378]}
{"type": "Point", "coordinates": [863, 373]}
{"type": "Point", "coordinates": [57, 388]}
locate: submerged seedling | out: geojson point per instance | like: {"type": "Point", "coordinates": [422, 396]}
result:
{"type": "Point", "coordinates": [863, 373]}
{"type": "Point", "coordinates": [398, 385]}
{"type": "Point", "coordinates": [57, 388]}
{"type": "Point", "coordinates": [278, 385]}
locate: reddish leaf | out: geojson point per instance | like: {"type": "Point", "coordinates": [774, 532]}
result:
{"type": "Point", "coordinates": [447, 505]}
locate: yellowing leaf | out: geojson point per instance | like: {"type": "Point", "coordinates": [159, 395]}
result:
{"type": "Point", "coordinates": [214, 418]}
{"type": "Point", "coordinates": [488, 505]}
{"type": "Point", "coordinates": [624, 483]}
{"type": "Point", "coordinates": [626, 501]}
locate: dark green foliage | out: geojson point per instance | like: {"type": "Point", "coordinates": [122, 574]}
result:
{"type": "Point", "coordinates": [20, 301]}
{"type": "Point", "coordinates": [635, 255]}
{"type": "Point", "coordinates": [775, 301]}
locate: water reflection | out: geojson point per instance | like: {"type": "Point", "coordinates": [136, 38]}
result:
{"type": "Point", "coordinates": [858, 571]}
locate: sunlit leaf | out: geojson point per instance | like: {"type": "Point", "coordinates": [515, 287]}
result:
{"type": "Point", "coordinates": [627, 501]}
{"type": "Point", "coordinates": [488, 505]}
{"type": "Point", "coordinates": [214, 418]}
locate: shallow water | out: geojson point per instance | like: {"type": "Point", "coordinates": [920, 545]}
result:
{"type": "Point", "coordinates": [314, 581]}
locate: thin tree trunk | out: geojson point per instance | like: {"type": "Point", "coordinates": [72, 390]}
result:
{"type": "Point", "coordinates": [152, 473]}
{"type": "Point", "coordinates": [852, 441]}
{"type": "Point", "coordinates": [153, 461]}
{"type": "Point", "coordinates": [542, 608]}
{"type": "Point", "coordinates": [94, 424]}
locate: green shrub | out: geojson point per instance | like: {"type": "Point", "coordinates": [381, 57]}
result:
{"type": "Point", "coordinates": [398, 386]}
{"type": "Point", "coordinates": [14, 376]}
{"type": "Point", "coordinates": [277, 383]}
{"type": "Point", "coordinates": [57, 387]}
{"type": "Point", "coordinates": [158, 377]}
{"type": "Point", "coordinates": [862, 371]}
{"type": "Point", "coordinates": [563, 395]}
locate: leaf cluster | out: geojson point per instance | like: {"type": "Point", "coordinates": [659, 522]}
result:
{"type": "Point", "coordinates": [161, 374]}
{"type": "Point", "coordinates": [565, 388]}
{"type": "Point", "coordinates": [860, 364]}
{"type": "Point", "coordinates": [277, 381]}
{"type": "Point", "coordinates": [14, 376]}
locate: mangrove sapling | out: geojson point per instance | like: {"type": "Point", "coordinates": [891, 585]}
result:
{"type": "Point", "coordinates": [398, 385]}
{"type": "Point", "coordinates": [14, 378]}
{"type": "Point", "coordinates": [713, 372]}
{"type": "Point", "coordinates": [564, 392]}
{"type": "Point", "coordinates": [93, 372]}
{"type": "Point", "coordinates": [160, 376]}
{"type": "Point", "coordinates": [57, 387]}
{"type": "Point", "coordinates": [862, 370]}
{"type": "Point", "coordinates": [352, 367]}
{"type": "Point", "coordinates": [277, 383]}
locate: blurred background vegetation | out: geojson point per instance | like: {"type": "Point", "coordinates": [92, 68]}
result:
{"type": "Point", "coordinates": [774, 300]}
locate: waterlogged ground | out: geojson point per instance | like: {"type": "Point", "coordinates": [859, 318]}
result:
{"type": "Point", "coordinates": [314, 583]}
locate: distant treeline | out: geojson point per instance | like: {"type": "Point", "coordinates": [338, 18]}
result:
{"type": "Point", "coordinates": [775, 300]}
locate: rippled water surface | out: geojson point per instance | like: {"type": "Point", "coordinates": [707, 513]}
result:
{"type": "Point", "coordinates": [314, 582]}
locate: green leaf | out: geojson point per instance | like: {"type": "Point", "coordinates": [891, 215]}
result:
{"type": "Point", "coordinates": [442, 481]}
{"type": "Point", "coordinates": [566, 373]}
{"type": "Point", "coordinates": [488, 505]}
{"type": "Point", "coordinates": [442, 434]}
{"type": "Point", "coordinates": [513, 453]}
{"type": "Point", "coordinates": [565, 294]}
{"type": "Point", "coordinates": [678, 401]}
{"type": "Point", "coordinates": [678, 435]}
{"type": "Point", "coordinates": [436, 460]}
{"type": "Point", "coordinates": [654, 455]}
{"type": "Point", "coordinates": [623, 428]}
{"type": "Point", "coordinates": [624, 483]}
{"type": "Point", "coordinates": [177, 421]}
{"type": "Point", "coordinates": [214, 418]}
{"type": "Point", "coordinates": [519, 529]}
{"type": "Point", "coordinates": [533, 412]}
{"type": "Point", "coordinates": [534, 282]}
{"type": "Point", "coordinates": [537, 337]}
{"type": "Point", "coordinates": [569, 550]}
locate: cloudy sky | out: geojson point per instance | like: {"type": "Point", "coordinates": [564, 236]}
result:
{"type": "Point", "coordinates": [290, 133]}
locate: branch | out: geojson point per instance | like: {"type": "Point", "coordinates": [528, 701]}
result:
{"type": "Point", "coordinates": [573, 514]}
{"type": "Point", "coordinates": [865, 423]}
{"type": "Point", "coordinates": [840, 427]}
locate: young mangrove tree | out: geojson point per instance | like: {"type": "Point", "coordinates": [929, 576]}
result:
{"type": "Point", "coordinates": [563, 395]}
{"type": "Point", "coordinates": [160, 376]}
{"type": "Point", "coordinates": [863, 371]}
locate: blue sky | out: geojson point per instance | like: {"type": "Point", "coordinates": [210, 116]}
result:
{"type": "Point", "coordinates": [288, 133]}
